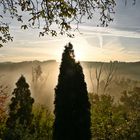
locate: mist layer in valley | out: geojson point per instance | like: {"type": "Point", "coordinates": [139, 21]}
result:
{"type": "Point", "coordinates": [108, 78]}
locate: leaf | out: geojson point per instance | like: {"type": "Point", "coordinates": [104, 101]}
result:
{"type": "Point", "coordinates": [1, 45]}
{"type": "Point", "coordinates": [41, 34]}
{"type": "Point", "coordinates": [24, 27]}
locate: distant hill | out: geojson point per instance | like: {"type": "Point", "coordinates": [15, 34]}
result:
{"type": "Point", "coordinates": [124, 68]}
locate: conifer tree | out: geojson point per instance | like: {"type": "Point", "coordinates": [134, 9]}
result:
{"type": "Point", "coordinates": [72, 107]}
{"type": "Point", "coordinates": [20, 110]}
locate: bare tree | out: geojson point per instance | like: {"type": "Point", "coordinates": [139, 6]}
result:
{"type": "Point", "coordinates": [39, 80]}
{"type": "Point", "coordinates": [98, 76]}
{"type": "Point", "coordinates": [110, 73]}
{"type": "Point", "coordinates": [36, 73]}
{"type": "Point", "coordinates": [91, 77]}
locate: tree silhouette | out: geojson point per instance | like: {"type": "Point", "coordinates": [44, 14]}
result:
{"type": "Point", "coordinates": [20, 110]}
{"type": "Point", "coordinates": [72, 108]}
{"type": "Point", "coordinates": [46, 13]}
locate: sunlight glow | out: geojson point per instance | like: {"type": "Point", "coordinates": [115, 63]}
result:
{"type": "Point", "coordinates": [94, 44]}
{"type": "Point", "coordinates": [100, 40]}
{"type": "Point", "coordinates": [78, 56]}
{"type": "Point", "coordinates": [80, 46]}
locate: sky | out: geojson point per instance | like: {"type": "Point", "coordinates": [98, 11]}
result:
{"type": "Point", "coordinates": [120, 41]}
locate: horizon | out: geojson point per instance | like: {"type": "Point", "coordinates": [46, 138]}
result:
{"type": "Point", "coordinates": [42, 61]}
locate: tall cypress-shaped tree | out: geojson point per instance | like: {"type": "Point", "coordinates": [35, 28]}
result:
{"type": "Point", "coordinates": [72, 107]}
{"type": "Point", "coordinates": [20, 110]}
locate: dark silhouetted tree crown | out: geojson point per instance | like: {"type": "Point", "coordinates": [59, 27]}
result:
{"type": "Point", "coordinates": [72, 108]}
{"type": "Point", "coordinates": [20, 111]}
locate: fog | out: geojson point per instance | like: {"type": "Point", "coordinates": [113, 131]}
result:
{"type": "Point", "coordinates": [42, 88]}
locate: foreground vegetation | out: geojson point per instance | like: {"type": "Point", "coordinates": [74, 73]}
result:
{"type": "Point", "coordinates": [110, 120]}
{"type": "Point", "coordinates": [120, 121]}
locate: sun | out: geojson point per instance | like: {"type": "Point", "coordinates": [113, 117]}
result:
{"type": "Point", "coordinates": [78, 55]}
{"type": "Point", "coordinates": [80, 47]}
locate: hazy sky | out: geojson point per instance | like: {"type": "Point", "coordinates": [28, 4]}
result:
{"type": "Point", "coordinates": [120, 41]}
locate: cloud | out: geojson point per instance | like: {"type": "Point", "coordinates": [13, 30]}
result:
{"type": "Point", "coordinates": [94, 43]}
{"type": "Point", "coordinates": [88, 31]}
